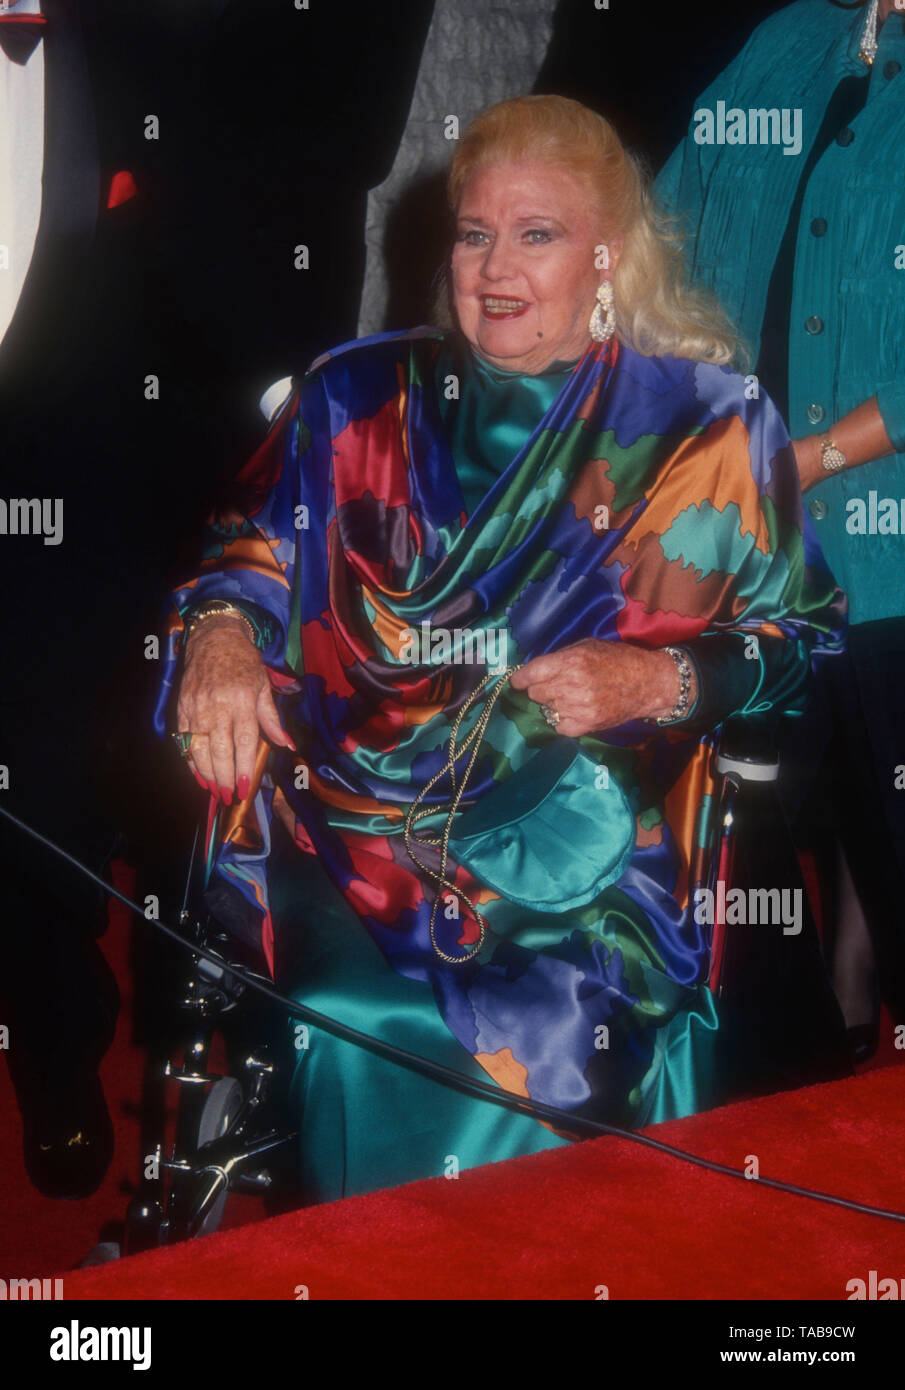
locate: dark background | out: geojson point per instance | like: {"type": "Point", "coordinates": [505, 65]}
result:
{"type": "Point", "coordinates": [274, 124]}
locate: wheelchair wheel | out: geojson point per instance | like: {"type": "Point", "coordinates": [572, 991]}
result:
{"type": "Point", "coordinates": [221, 1109]}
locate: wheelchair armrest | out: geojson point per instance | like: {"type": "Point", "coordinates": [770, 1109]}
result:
{"type": "Point", "coordinates": [746, 749]}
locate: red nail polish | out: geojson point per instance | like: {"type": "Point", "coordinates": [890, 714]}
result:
{"type": "Point", "coordinates": [214, 790]}
{"type": "Point", "coordinates": [290, 744]}
{"type": "Point", "coordinates": [244, 788]}
{"type": "Point", "coordinates": [199, 779]}
{"type": "Point", "coordinates": [227, 794]}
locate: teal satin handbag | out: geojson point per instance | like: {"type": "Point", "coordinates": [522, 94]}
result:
{"type": "Point", "coordinates": [551, 837]}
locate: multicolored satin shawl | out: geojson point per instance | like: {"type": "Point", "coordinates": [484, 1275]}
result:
{"type": "Point", "coordinates": [652, 504]}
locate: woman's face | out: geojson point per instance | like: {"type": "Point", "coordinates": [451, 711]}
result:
{"type": "Point", "coordinates": [523, 270]}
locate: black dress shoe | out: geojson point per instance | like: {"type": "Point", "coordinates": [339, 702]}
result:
{"type": "Point", "coordinates": [68, 1139]}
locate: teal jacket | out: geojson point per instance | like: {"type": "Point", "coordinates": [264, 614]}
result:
{"type": "Point", "coordinates": [848, 306]}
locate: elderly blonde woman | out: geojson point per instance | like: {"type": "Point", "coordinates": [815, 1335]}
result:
{"type": "Point", "coordinates": [573, 472]}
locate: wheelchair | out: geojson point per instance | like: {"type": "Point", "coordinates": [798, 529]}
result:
{"type": "Point", "coordinates": [232, 1132]}
{"type": "Point", "coordinates": [229, 1131]}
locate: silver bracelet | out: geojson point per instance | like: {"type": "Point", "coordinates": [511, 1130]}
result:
{"type": "Point", "coordinates": [680, 708]}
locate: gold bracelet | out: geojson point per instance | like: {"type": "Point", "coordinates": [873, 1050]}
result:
{"type": "Point", "coordinates": [831, 456]}
{"type": "Point", "coordinates": [219, 608]}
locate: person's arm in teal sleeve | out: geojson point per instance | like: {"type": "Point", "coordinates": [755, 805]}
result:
{"type": "Point", "coordinates": [744, 673]}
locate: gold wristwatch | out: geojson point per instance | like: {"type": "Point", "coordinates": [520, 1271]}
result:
{"type": "Point", "coordinates": [831, 456]}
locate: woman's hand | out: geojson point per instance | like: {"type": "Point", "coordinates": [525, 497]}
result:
{"type": "Point", "coordinates": [224, 700]}
{"type": "Point", "coordinates": [599, 685]}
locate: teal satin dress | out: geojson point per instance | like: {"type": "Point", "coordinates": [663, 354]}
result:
{"type": "Point", "coordinates": [366, 1123]}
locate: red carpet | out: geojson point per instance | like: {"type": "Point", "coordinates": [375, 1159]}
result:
{"type": "Point", "coordinates": [560, 1224]}
{"type": "Point", "coordinates": [552, 1226]}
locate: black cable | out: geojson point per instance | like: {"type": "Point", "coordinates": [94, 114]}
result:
{"type": "Point", "coordinates": [576, 1124]}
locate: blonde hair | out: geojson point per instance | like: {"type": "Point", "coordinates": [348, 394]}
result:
{"type": "Point", "coordinates": [656, 311]}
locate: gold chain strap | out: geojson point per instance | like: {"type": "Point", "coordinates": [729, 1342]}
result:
{"type": "Point", "coordinates": [414, 815]}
